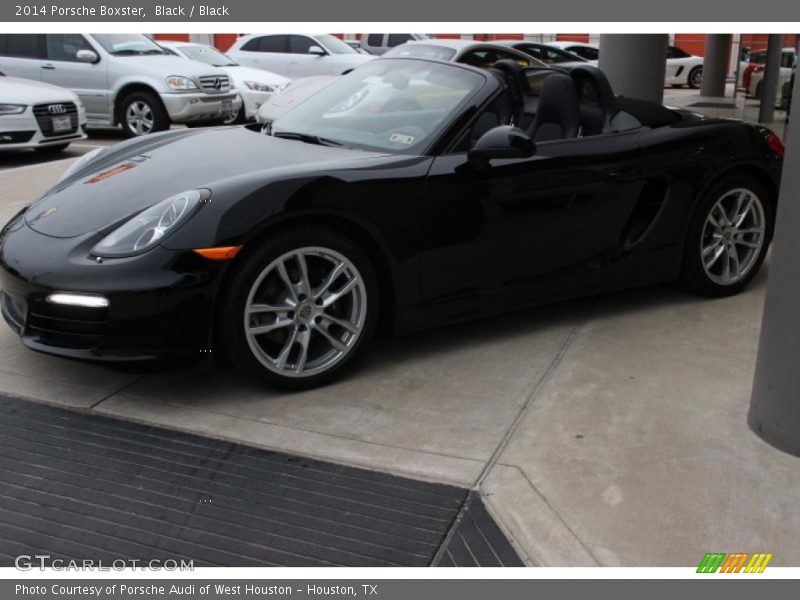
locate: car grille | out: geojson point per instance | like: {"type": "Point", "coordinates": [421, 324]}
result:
{"type": "Point", "coordinates": [66, 326]}
{"type": "Point", "coordinates": [44, 114]}
{"type": "Point", "coordinates": [215, 83]}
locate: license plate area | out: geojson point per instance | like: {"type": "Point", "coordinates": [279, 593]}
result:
{"type": "Point", "coordinates": [62, 124]}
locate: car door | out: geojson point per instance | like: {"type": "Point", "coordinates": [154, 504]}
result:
{"type": "Point", "coordinates": [268, 52]}
{"type": "Point", "coordinates": [21, 55]}
{"type": "Point", "coordinates": [516, 222]}
{"type": "Point", "coordinates": [303, 63]}
{"type": "Point", "coordinates": [89, 80]}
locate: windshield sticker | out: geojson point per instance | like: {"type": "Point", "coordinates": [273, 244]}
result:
{"type": "Point", "coordinates": [402, 138]}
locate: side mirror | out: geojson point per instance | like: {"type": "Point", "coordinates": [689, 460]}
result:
{"type": "Point", "coordinates": [317, 50]}
{"type": "Point", "coordinates": [87, 56]}
{"type": "Point", "coordinates": [505, 141]}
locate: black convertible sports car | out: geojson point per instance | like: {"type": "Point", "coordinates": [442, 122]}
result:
{"type": "Point", "coordinates": [409, 193]}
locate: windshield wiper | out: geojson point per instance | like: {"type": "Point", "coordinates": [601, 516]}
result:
{"type": "Point", "coordinates": [154, 51]}
{"type": "Point", "coordinates": [126, 52]}
{"type": "Point", "coordinates": [307, 138]}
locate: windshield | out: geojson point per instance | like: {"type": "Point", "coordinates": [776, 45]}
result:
{"type": "Point", "coordinates": [335, 45]}
{"type": "Point", "coordinates": [429, 51]}
{"type": "Point", "coordinates": [394, 105]}
{"type": "Point", "coordinates": [131, 44]}
{"type": "Point", "coordinates": [207, 55]}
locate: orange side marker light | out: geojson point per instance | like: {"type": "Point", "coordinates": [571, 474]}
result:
{"type": "Point", "coordinates": [218, 253]}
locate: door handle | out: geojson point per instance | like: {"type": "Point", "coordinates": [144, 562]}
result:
{"type": "Point", "coordinates": [48, 66]}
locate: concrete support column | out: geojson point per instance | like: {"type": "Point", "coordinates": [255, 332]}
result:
{"type": "Point", "coordinates": [715, 64]}
{"type": "Point", "coordinates": [775, 402]}
{"type": "Point", "coordinates": [769, 85]}
{"type": "Point", "coordinates": [635, 64]}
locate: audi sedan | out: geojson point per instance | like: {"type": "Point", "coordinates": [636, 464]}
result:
{"type": "Point", "coordinates": [38, 115]}
{"type": "Point", "coordinates": [407, 194]}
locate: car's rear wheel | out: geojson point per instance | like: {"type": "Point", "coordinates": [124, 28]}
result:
{"type": "Point", "coordinates": [298, 309]}
{"type": "Point", "coordinates": [141, 113]}
{"type": "Point", "coordinates": [728, 237]}
{"type": "Point", "coordinates": [695, 78]}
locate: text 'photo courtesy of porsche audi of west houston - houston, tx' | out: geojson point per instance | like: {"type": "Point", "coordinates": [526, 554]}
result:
{"type": "Point", "coordinates": [409, 193]}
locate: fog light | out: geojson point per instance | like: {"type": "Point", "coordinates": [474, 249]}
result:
{"type": "Point", "coordinates": [83, 300]}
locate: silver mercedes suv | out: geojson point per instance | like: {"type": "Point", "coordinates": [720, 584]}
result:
{"type": "Point", "coordinates": [123, 79]}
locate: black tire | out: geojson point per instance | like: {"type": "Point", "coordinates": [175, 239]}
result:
{"type": "Point", "coordinates": [160, 118]}
{"type": "Point", "coordinates": [695, 78]}
{"type": "Point", "coordinates": [694, 277]}
{"type": "Point", "coordinates": [238, 119]}
{"type": "Point", "coordinates": [55, 149]}
{"type": "Point", "coordinates": [230, 330]}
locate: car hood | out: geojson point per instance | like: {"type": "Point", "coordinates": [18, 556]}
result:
{"type": "Point", "coordinates": [134, 175]}
{"type": "Point", "coordinates": [163, 66]}
{"type": "Point", "coordinates": [27, 91]}
{"type": "Point", "coordinates": [240, 74]}
{"type": "Point", "coordinates": [292, 95]}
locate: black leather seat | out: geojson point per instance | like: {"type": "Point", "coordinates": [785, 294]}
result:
{"type": "Point", "coordinates": [557, 113]}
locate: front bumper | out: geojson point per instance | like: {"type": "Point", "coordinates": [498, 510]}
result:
{"type": "Point", "coordinates": [253, 100]}
{"type": "Point", "coordinates": [160, 304]}
{"type": "Point", "coordinates": [198, 106]}
{"type": "Point", "coordinates": [20, 132]}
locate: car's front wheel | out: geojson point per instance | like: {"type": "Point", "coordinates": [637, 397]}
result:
{"type": "Point", "coordinates": [728, 237]}
{"type": "Point", "coordinates": [695, 78]}
{"type": "Point", "coordinates": [142, 113]}
{"type": "Point", "coordinates": [299, 307]}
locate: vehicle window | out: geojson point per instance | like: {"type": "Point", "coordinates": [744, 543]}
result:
{"type": "Point", "coordinates": [485, 58]}
{"type": "Point", "coordinates": [759, 57]}
{"type": "Point", "coordinates": [375, 40]}
{"type": "Point", "coordinates": [127, 44]}
{"type": "Point", "coordinates": [208, 55]}
{"type": "Point", "coordinates": [429, 51]}
{"type": "Point", "coordinates": [675, 52]}
{"type": "Point", "coordinates": [65, 46]}
{"type": "Point", "coordinates": [388, 105]}
{"type": "Point", "coordinates": [787, 59]}
{"type": "Point", "coordinates": [586, 52]}
{"type": "Point", "coordinates": [299, 44]}
{"type": "Point", "coordinates": [334, 45]}
{"type": "Point", "coordinates": [395, 39]}
{"type": "Point", "coordinates": [268, 43]}
{"type": "Point", "coordinates": [22, 45]}
{"type": "Point", "coordinates": [547, 55]}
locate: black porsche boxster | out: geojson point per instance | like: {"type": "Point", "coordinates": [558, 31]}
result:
{"type": "Point", "coordinates": [409, 193]}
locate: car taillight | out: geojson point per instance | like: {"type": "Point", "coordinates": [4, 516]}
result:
{"type": "Point", "coordinates": [775, 144]}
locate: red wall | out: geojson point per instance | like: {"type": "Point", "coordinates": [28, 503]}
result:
{"type": "Point", "coordinates": [573, 37]}
{"type": "Point", "coordinates": [178, 37]}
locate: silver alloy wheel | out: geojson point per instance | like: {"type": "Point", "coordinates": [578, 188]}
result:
{"type": "Point", "coordinates": [733, 236]}
{"type": "Point", "coordinates": [139, 117]}
{"type": "Point", "coordinates": [305, 312]}
{"type": "Point", "coordinates": [696, 77]}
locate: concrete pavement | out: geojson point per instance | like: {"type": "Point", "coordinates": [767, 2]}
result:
{"type": "Point", "coordinates": [606, 431]}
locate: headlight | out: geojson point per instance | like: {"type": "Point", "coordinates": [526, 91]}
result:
{"type": "Point", "coordinates": [176, 82]}
{"type": "Point", "coordinates": [259, 87]}
{"type": "Point", "coordinates": [79, 164]}
{"type": "Point", "coordinates": [150, 226]}
{"type": "Point", "coordinates": [12, 109]}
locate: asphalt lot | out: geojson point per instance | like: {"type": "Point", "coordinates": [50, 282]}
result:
{"type": "Point", "coordinates": [604, 431]}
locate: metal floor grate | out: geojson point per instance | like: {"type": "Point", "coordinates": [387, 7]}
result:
{"type": "Point", "coordinates": [76, 485]}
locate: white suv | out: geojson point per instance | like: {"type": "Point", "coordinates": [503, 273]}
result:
{"type": "Point", "coordinates": [123, 78]}
{"type": "Point", "coordinates": [297, 55]}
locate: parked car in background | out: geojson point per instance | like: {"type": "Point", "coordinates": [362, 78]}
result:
{"type": "Point", "coordinates": [297, 55]}
{"type": "Point", "coordinates": [549, 55]}
{"type": "Point", "coordinates": [477, 54]}
{"type": "Point", "coordinates": [583, 49]}
{"type": "Point", "coordinates": [682, 68]}
{"type": "Point", "coordinates": [378, 43]}
{"type": "Point", "coordinates": [255, 86]}
{"type": "Point", "coordinates": [38, 115]}
{"type": "Point", "coordinates": [758, 60]}
{"type": "Point", "coordinates": [122, 78]}
{"type": "Point", "coordinates": [788, 63]}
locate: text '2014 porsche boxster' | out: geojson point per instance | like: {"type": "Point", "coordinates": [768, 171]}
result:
{"type": "Point", "coordinates": [409, 193]}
